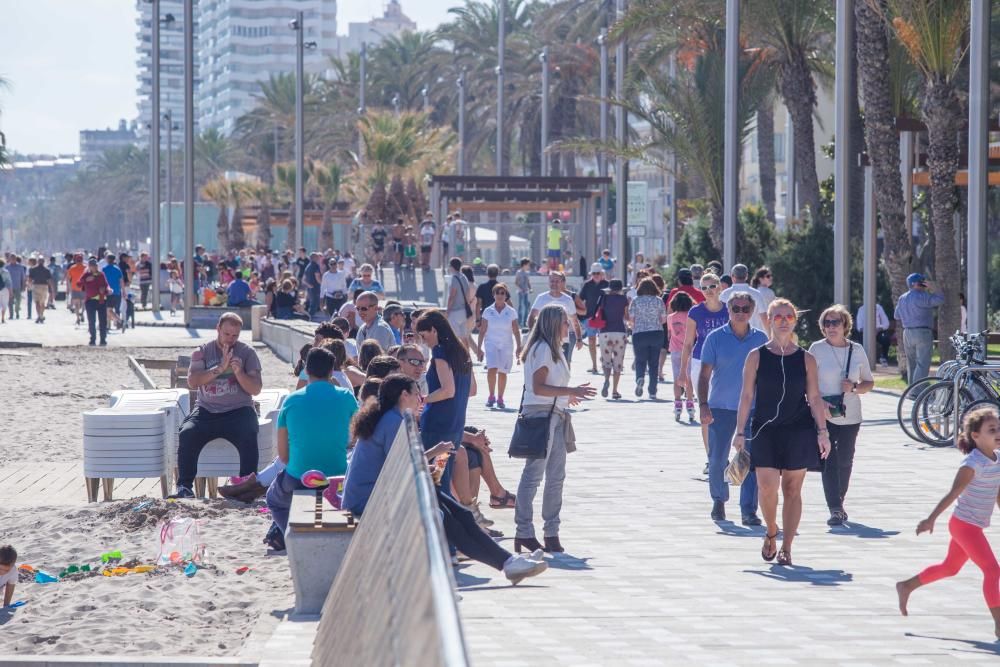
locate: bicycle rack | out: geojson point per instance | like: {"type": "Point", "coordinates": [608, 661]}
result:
{"type": "Point", "coordinates": [959, 374]}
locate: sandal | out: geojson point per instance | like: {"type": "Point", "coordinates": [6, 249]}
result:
{"type": "Point", "coordinates": [616, 395]}
{"type": "Point", "coordinates": [507, 501]}
{"type": "Point", "coordinates": [784, 556]}
{"type": "Point", "coordinates": [769, 555]}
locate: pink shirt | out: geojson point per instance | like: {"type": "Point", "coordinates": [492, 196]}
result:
{"type": "Point", "coordinates": [677, 325]}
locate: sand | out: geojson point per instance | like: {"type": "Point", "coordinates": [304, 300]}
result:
{"type": "Point", "coordinates": [212, 613]}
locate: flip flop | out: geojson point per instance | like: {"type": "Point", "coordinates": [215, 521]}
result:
{"type": "Point", "coordinates": [769, 555]}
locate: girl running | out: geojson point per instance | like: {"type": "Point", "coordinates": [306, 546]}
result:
{"type": "Point", "coordinates": [976, 488]}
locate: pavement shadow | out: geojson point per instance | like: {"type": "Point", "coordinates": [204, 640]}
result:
{"type": "Point", "coordinates": [735, 530]}
{"type": "Point", "coordinates": [464, 580]}
{"type": "Point", "coordinates": [862, 531]}
{"type": "Point", "coordinates": [565, 561]}
{"type": "Point", "coordinates": [980, 646]}
{"type": "Point", "coordinates": [431, 292]}
{"type": "Point", "coordinates": [800, 574]}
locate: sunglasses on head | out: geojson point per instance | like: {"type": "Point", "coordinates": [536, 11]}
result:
{"type": "Point", "coordinates": [832, 323]}
{"type": "Point", "coordinates": [784, 318]}
{"type": "Point", "coordinates": [741, 309]}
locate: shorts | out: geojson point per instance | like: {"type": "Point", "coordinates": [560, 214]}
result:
{"type": "Point", "coordinates": [378, 248]}
{"type": "Point", "coordinates": [500, 357]}
{"type": "Point", "coordinates": [425, 249]}
{"type": "Point", "coordinates": [588, 332]}
{"type": "Point", "coordinates": [458, 320]}
{"type": "Point", "coordinates": [555, 254]}
{"type": "Point", "coordinates": [397, 246]}
{"type": "Point", "coordinates": [675, 363]}
{"type": "Point", "coordinates": [475, 458]}
{"type": "Point", "coordinates": [784, 447]}
{"type": "Point", "coordinates": [77, 295]}
{"type": "Point", "coordinates": [114, 302]}
{"type": "Point", "coordinates": [695, 372]}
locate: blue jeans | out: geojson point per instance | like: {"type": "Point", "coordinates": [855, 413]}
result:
{"type": "Point", "coordinates": [720, 437]}
{"type": "Point", "coordinates": [647, 345]}
{"type": "Point", "coordinates": [918, 344]}
{"type": "Point", "coordinates": [523, 308]}
{"type": "Point", "coordinates": [279, 497]}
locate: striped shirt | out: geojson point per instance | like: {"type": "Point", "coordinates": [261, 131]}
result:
{"type": "Point", "coordinates": [977, 501]}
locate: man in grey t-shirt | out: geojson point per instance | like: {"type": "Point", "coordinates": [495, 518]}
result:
{"type": "Point", "coordinates": [226, 374]}
{"type": "Point", "coordinates": [373, 327]}
{"type": "Point", "coordinates": [457, 299]}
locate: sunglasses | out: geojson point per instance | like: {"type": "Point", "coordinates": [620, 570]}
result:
{"type": "Point", "coordinates": [711, 286]}
{"type": "Point", "coordinates": [832, 323]}
{"type": "Point", "coordinates": [416, 362]}
{"type": "Point", "coordinates": [364, 309]}
{"type": "Point", "coordinates": [741, 309]}
{"type": "Point", "coordinates": [783, 318]}
{"type": "Point", "coordinates": [766, 275]}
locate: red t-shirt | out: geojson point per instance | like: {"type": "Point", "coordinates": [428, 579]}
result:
{"type": "Point", "coordinates": [696, 294]}
{"type": "Point", "coordinates": [94, 285]}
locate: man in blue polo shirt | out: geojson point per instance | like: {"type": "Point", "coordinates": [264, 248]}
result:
{"type": "Point", "coordinates": [719, 386]}
{"type": "Point", "coordinates": [915, 311]}
{"type": "Point", "coordinates": [313, 432]}
{"type": "Point", "coordinates": [239, 294]}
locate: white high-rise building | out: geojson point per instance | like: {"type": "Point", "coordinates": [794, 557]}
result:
{"type": "Point", "coordinates": [171, 65]}
{"type": "Point", "coordinates": [392, 22]}
{"type": "Point", "coordinates": [243, 42]}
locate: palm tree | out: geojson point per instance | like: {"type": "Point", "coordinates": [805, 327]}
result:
{"type": "Point", "coordinates": [218, 192]}
{"type": "Point", "coordinates": [796, 34]}
{"type": "Point", "coordinates": [262, 194]}
{"type": "Point", "coordinates": [213, 154]}
{"type": "Point", "coordinates": [327, 178]}
{"type": "Point", "coordinates": [399, 66]}
{"type": "Point", "coordinates": [284, 178]}
{"type": "Point", "coordinates": [933, 32]}
{"type": "Point", "coordinates": [239, 193]}
{"type": "Point", "coordinates": [765, 155]}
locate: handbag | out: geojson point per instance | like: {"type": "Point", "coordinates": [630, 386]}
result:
{"type": "Point", "coordinates": [465, 300]}
{"type": "Point", "coordinates": [531, 434]}
{"type": "Point", "coordinates": [836, 401]}
{"type": "Point", "coordinates": [597, 321]}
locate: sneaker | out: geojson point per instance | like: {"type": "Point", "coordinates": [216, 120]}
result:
{"type": "Point", "coordinates": [501, 404]}
{"type": "Point", "coordinates": [604, 389]}
{"type": "Point", "coordinates": [275, 538]}
{"type": "Point", "coordinates": [638, 387]}
{"type": "Point", "coordinates": [491, 401]}
{"type": "Point", "coordinates": [92, 343]}
{"type": "Point", "coordinates": [519, 568]}
{"type": "Point", "coordinates": [751, 520]}
{"type": "Point", "coordinates": [677, 410]}
{"type": "Point", "coordinates": [182, 492]}
{"type": "Point", "coordinates": [718, 511]}
{"type": "Point", "coordinates": [104, 343]}
{"type": "Point", "coordinates": [652, 395]}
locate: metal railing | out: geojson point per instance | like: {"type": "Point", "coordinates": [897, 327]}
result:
{"type": "Point", "coordinates": [956, 384]}
{"type": "Point", "coordinates": [393, 600]}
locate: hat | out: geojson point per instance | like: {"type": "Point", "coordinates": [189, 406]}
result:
{"type": "Point", "coordinates": [92, 262]}
{"type": "Point", "coordinates": [596, 268]}
{"type": "Point", "coordinates": [915, 279]}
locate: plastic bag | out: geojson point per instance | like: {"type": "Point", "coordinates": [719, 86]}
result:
{"type": "Point", "coordinates": [738, 467]}
{"type": "Point", "coordinates": [180, 541]}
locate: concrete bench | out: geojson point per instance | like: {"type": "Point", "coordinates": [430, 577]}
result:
{"type": "Point", "coordinates": [317, 539]}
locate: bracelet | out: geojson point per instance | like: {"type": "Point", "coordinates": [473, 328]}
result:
{"type": "Point", "coordinates": [821, 431]}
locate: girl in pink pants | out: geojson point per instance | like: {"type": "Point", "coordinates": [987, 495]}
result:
{"type": "Point", "coordinates": [977, 489]}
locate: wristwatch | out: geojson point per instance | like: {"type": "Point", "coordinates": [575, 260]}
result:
{"type": "Point", "coordinates": [854, 388]}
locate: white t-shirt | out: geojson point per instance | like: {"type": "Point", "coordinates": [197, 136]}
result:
{"type": "Point", "coordinates": [447, 233]}
{"type": "Point", "coordinates": [499, 332]}
{"type": "Point", "coordinates": [830, 364]}
{"type": "Point", "coordinates": [541, 357]}
{"type": "Point", "coordinates": [564, 300]}
{"type": "Point", "coordinates": [10, 577]}
{"type": "Point", "coordinates": [349, 265]}
{"type": "Point", "coordinates": [760, 303]}
{"type": "Point", "coordinates": [427, 233]}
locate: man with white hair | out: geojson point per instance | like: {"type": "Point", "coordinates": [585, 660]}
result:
{"type": "Point", "coordinates": [740, 274]}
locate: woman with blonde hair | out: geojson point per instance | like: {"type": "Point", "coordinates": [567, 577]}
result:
{"type": "Point", "coordinates": [547, 391]}
{"type": "Point", "coordinates": [788, 433]}
{"type": "Point", "coordinates": [843, 374]}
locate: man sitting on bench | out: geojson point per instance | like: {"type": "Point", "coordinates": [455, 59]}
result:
{"type": "Point", "coordinates": [226, 374]}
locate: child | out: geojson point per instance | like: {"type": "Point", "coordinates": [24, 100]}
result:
{"type": "Point", "coordinates": [176, 287]}
{"type": "Point", "coordinates": [975, 486]}
{"type": "Point", "coordinates": [677, 326]}
{"type": "Point", "coordinates": [8, 572]}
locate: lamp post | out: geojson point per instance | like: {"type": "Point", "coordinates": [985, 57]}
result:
{"type": "Point", "coordinates": [154, 147]}
{"type": "Point", "coordinates": [170, 183]}
{"type": "Point", "coordinates": [731, 186]}
{"type": "Point", "coordinates": [844, 153]}
{"type": "Point", "coordinates": [501, 39]}
{"type": "Point", "coordinates": [361, 97]}
{"type": "Point", "coordinates": [602, 160]}
{"type": "Point", "coordinates": [544, 58]}
{"type": "Point", "coordinates": [979, 99]}
{"type": "Point", "coordinates": [188, 160]}
{"type": "Point", "coordinates": [297, 24]}
{"type": "Point", "coordinates": [461, 123]}
{"type": "Point", "coordinates": [621, 164]}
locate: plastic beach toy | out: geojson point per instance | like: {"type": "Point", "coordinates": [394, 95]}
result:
{"type": "Point", "coordinates": [26, 568]}
{"type": "Point", "coordinates": [242, 570]}
{"type": "Point", "coordinates": [111, 555]}
{"type": "Point", "coordinates": [314, 479]}
{"type": "Point", "coordinates": [190, 570]}
{"type": "Point", "coordinates": [44, 578]}
{"type": "Point", "coordinates": [142, 505]}
{"type": "Point", "coordinates": [15, 605]}
{"type": "Point", "coordinates": [335, 492]}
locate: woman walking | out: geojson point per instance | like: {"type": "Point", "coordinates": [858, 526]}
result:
{"type": "Point", "coordinates": [546, 391]}
{"type": "Point", "coordinates": [762, 281]}
{"type": "Point", "coordinates": [450, 383]}
{"type": "Point", "coordinates": [976, 489]}
{"type": "Point", "coordinates": [703, 319]}
{"type": "Point", "coordinates": [844, 374]}
{"type": "Point", "coordinates": [780, 384]}
{"type": "Point", "coordinates": [647, 314]}
{"type": "Point", "coordinates": [375, 427]}
{"type": "Point", "coordinates": [614, 305]}
{"type": "Point", "coordinates": [495, 330]}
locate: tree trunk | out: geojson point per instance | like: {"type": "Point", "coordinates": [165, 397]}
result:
{"type": "Point", "coordinates": [765, 156]}
{"type": "Point", "coordinates": [326, 231]}
{"type": "Point", "coordinates": [942, 113]}
{"type": "Point", "coordinates": [222, 229]}
{"type": "Point", "coordinates": [290, 229]}
{"type": "Point", "coordinates": [799, 94]}
{"type": "Point", "coordinates": [715, 231]}
{"type": "Point", "coordinates": [856, 206]}
{"type": "Point", "coordinates": [264, 227]}
{"type": "Point", "coordinates": [882, 143]}
{"type": "Point", "coordinates": [237, 239]}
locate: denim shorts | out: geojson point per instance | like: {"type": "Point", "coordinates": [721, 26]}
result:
{"type": "Point", "coordinates": [588, 331]}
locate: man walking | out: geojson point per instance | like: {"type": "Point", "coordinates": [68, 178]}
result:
{"type": "Point", "coordinates": [457, 306]}
{"type": "Point", "coordinates": [116, 283]}
{"type": "Point", "coordinates": [145, 270]}
{"type": "Point", "coordinates": [312, 278]}
{"type": "Point", "coordinates": [73, 275]}
{"type": "Point", "coordinates": [588, 299]}
{"type": "Point", "coordinates": [915, 312]}
{"type": "Point", "coordinates": [18, 279]}
{"type": "Point", "coordinates": [522, 281]}
{"type": "Point", "coordinates": [372, 324]}
{"type": "Point", "coordinates": [94, 286]}
{"type": "Point", "coordinates": [39, 278]}
{"type": "Point", "coordinates": [740, 274]}
{"type": "Point", "coordinates": [719, 386]}
{"type": "Point", "coordinates": [557, 295]}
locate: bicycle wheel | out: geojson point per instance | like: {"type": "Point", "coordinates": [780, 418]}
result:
{"type": "Point", "coordinates": [934, 410]}
{"type": "Point", "coordinates": [904, 409]}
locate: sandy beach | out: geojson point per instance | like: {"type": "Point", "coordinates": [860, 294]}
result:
{"type": "Point", "coordinates": [164, 612]}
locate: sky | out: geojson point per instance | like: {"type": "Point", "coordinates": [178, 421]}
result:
{"type": "Point", "coordinates": [71, 64]}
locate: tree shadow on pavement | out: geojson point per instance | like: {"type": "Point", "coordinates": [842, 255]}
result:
{"type": "Point", "coordinates": [801, 574]}
{"type": "Point", "coordinates": [980, 646]}
{"type": "Point", "coordinates": [856, 529]}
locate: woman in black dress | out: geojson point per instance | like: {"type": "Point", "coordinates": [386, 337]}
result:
{"type": "Point", "coordinates": [781, 389]}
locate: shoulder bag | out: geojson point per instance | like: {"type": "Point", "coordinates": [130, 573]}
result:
{"type": "Point", "coordinates": [531, 434]}
{"type": "Point", "coordinates": [836, 401]}
{"type": "Point", "coordinates": [597, 321]}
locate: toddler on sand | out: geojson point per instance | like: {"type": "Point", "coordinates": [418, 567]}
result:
{"type": "Point", "coordinates": [8, 573]}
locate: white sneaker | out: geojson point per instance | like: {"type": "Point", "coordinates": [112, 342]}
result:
{"type": "Point", "coordinates": [518, 568]}
{"type": "Point", "coordinates": [537, 554]}
{"type": "Point", "coordinates": [638, 387]}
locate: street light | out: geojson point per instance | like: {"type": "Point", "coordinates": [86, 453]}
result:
{"type": "Point", "coordinates": [602, 160]}
{"type": "Point", "coordinates": [621, 164]}
{"type": "Point", "coordinates": [361, 98]}
{"type": "Point", "coordinates": [188, 160]}
{"type": "Point", "coordinates": [461, 123]}
{"type": "Point", "coordinates": [544, 59]}
{"type": "Point", "coordinates": [170, 180]}
{"type": "Point", "coordinates": [298, 25]}
{"type": "Point", "coordinates": [154, 147]}
{"type": "Point", "coordinates": [731, 186]}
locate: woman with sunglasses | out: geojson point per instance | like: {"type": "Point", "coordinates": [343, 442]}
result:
{"type": "Point", "coordinates": [844, 373]}
{"type": "Point", "coordinates": [788, 433]}
{"type": "Point", "coordinates": [498, 323]}
{"type": "Point", "coordinates": [762, 281]}
{"type": "Point", "coordinates": [703, 319]}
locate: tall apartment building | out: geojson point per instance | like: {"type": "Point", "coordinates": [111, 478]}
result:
{"type": "Point", "coordinates": [94, 143]}
{"type": "Point", "coordinates": [171, 65]}
{"type": "Point", "coordinates": [243, 42]}
{"type": "Point", "coordinates": [392, 22]}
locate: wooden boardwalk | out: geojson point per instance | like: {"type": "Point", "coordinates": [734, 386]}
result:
{"type": "Point", "coordinates": [35, 484]}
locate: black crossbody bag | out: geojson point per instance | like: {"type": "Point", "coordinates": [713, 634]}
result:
{"type": "Point", "coordinates": [836, 401]}
{"type": "Point", "coordinates": [531, 434]}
